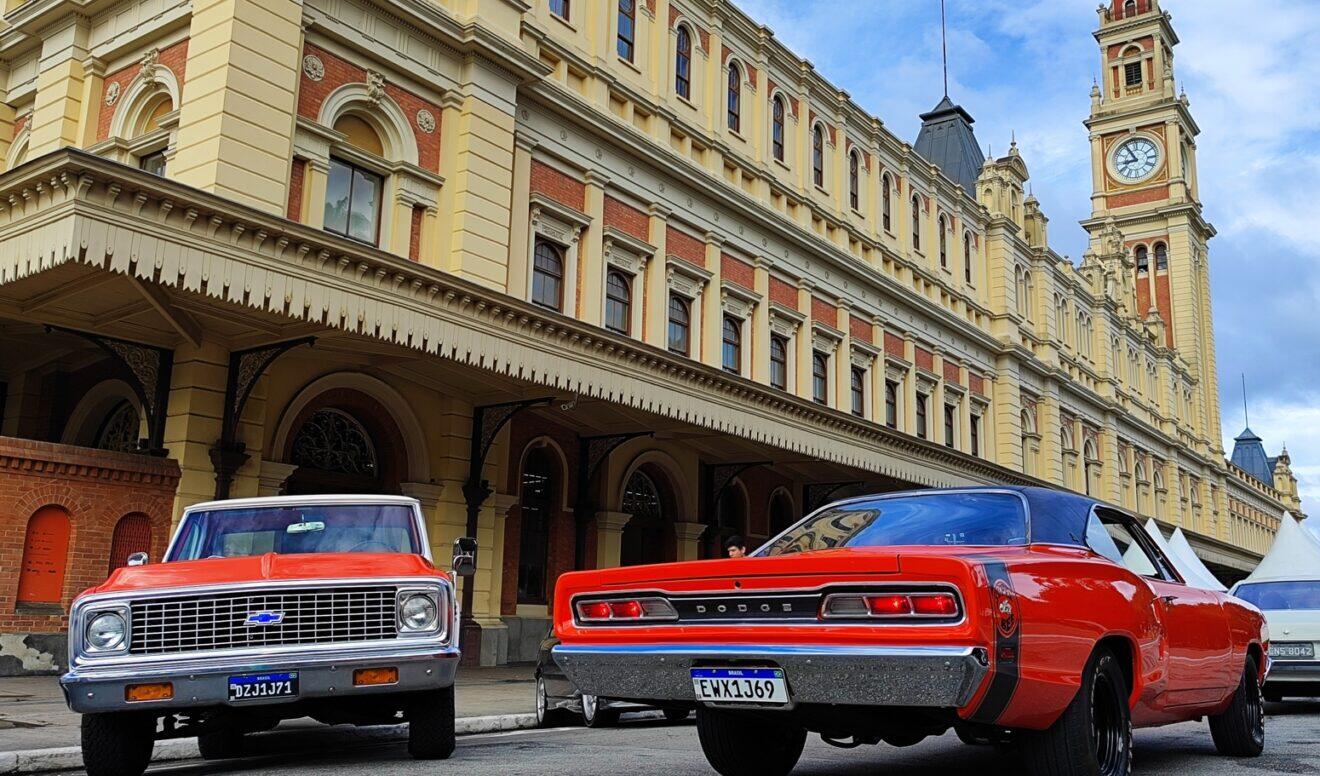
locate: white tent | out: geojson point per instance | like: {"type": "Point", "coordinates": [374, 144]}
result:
{"type": "Point", "coordinates": [1295, 554]}
{"type": "Point", "coordinates": [1184, 557]}
{"type": "Point", "coordinates": [1135, 559]}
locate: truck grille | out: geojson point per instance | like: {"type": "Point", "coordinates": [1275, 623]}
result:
{"type": "Point", "coordinates": [241, 620]}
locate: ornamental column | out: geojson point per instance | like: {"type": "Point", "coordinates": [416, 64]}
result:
{"type": "Point", "coordinates": [688, 536]}
{"type": "Point", "coordinates": [59, 97]}
{"type": "Point", "coordinates": [655, 291]}
{"type": "Point", "coordinates": [761, 320]}
{"type": "Point", "coordinates": [712, 307]}
{"type": "Point", "coordinates": [609, 538]}
{"type": "Point", "coordinates": [804, 340]}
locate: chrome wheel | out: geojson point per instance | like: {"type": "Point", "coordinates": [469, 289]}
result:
{"type": "Point", "coordinates": [1109, 727]}
{"type": "Point", "coordinates": [589, 708]}
{"type": "Point", "coordinates": [542, 703]}
{"type": "Point", "coordinates": [1256, 711]}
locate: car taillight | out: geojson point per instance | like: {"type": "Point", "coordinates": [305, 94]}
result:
{"type": "Point", "coordinates": [917, 605]}
{"type": "Point", "coordinates": [625, 610]}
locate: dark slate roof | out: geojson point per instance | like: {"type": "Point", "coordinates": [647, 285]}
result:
{"type": "Point", "coordinates": [1249, 456]}
{"type": "Point", "coordinates": [948, 142]}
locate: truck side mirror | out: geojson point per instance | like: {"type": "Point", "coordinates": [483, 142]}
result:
{"type": "Point", "coordinates": [465, 556]}
{"type": "Point", "coordinates": [137, 559]}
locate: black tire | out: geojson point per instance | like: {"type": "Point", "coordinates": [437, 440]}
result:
{"type": "Point", "coordinates": [117, 744]}
{"type": "Point", "coordinates": [1240, 730]}
{"type": "Point", "coordinates": [1093, 737]}
{"type": "Point", "coordinates": [431, 725]}
{"type": "Point", "coordinates": [545, 716]}
{"type": "Point", "coordinates": [749, 745]}
{"type": "Point", "coordinates": [223, 743]}
{"type": "Point", "coordinates": [971, 736]}
{"type": "Point", "coordinates": [676, 715]}
{"type": "Point", "coordinates": [1272, 694]}
{"type": "Point", "coordinates": [593, 716]}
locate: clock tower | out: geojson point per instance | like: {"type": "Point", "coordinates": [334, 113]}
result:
{"type": "Point", "coordinates": [1145, 206]}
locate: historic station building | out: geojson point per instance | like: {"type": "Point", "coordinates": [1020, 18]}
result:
{"type": "Point", "coordinates": [598, 282]}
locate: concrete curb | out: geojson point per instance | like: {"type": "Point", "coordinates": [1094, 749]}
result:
{"type": "Point", "coordinates": [69, 758]}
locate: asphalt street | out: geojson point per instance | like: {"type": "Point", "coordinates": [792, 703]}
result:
{"type": "Point", "coordinates": [650, 746]}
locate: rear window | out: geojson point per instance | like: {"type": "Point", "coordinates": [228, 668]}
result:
{"type": "Point", "coordinates": [938, 519]}
{"type": "Point", "coordinates": [1281, 596]}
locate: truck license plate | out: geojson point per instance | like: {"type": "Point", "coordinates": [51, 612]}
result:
{"type": "Point", "coordinates": [251, 687]}
{"type": "Point", "coordinates": [1298, 650]}
{"type": "Point", "coordinates": [740, 685]}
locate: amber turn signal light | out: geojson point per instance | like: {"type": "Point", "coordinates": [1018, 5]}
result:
{"type": "Point", "coordinates": [364, 677]}
{"type": "Point", "coordinates": [161, 691]}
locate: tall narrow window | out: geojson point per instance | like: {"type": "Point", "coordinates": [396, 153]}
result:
{"type": "Point", "coordinates": [891, 404]}
{"type": "Point", "coordinates": [680, 325]}
{"type": "Point", "coordinates": [818, 156]}
{"type": "Point", "coordinates": [854, 196]}
{"type": "Point", "coordinates": [732, 338]}
{"type": "Point", "coordinates": [950, 425]}
{"type": "Point", "coordinates": [1161, 257]}
{"type": "Point", "coordinates": [779, 362]}
{"type": "Point", "coordinates": [683, 63]}
{"type": "Point", "coordinates": [967, 257]}
{"type": "Point", "coordinates": [536, 505]}
{"type": "Point", "coordinates": [352, 202]}
{"type": "Point", "coordinates": [916, 222]}
{"type": "Point", "coordinates": [1132, 74]}
{"type": "Point", "coordinates": [618, 302]}
{"type": "Point", "coordinates": [974, 435]}
{"type": "Point", "coordinates": [735, 98]}
{"type": "Point", "coordinates": [777, 127]}
{"type": "Point", "coordinates": [559, 8]}
{"type": "Point", "coordinates": [1129, 8]}
{"type": "Point", "coordinates": [944, 243]}
{"type": "Point", "coordinates": [627, 28]}
{"type": "Point", "coordinates": [548, 275]}
{"type": "Point", "coordinates": [858, 389]}
{"type": "Point", "coordinates": [922, 400]}
{"type": "Point", "coordinates": [1143, 260]}
{"type": "Point", "coordinates": [887, 203]}
{"type": "Point", "coordinates": [820, 377]}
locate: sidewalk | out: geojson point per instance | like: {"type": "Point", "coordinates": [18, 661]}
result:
{"type": "Point", "coordinates": [33, 714]}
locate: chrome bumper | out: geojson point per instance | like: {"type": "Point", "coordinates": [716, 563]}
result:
{"type": "Point", "coordinates": [198, 682]}
{"type": "Point", "coordinates": [942, 677]}
{"type": "Point", "coordinates": [1286, 671]}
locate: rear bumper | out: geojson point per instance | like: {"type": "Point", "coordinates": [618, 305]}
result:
{"type": "Point", "coordinates": [1283, 672]}
{"type": "Point", "coordinates": [908, 676]}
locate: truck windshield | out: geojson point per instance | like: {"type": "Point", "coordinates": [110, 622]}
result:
{"type": "Point", "coordinates": [1281, 596]}
{"type": "Point", "coordinates": [938, 519]}
{"type": "Point", "coordinates": [305, 528]}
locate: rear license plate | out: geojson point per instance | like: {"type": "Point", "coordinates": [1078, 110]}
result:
{"type": "Point", "coordinates": [252, 687]}
{"type": "Point", "coordinates": [740, 685]}
{"type": "Point", "coordinates": [1299, 650]}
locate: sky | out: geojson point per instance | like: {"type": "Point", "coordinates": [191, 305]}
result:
{"type": "Point", "coordinates": [1025, 68]}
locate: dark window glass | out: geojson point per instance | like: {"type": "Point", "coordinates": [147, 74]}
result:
{"type": "Point", "coordinates": [950, 425]}
{"type": "Point", "coordinates": [967, 258]}
{"type": "Point", "coordinates": [683, 63]}
{"type": "Point", "coordinates": [304, 528]}
{"type": "Point", "coordinates": [1129, 8]}
{"type": "Point", "coordinates": [818, 156]}
{"type": "Point", "coordinates": [916, 223]}
{"type": "Point", "coordinates": [1161, 257]}
{"type": "Point", "coordinates": [732, 336]}
{"type": "Point", "coordinates": [779, 363]}
{"type": "Point", "coordinates": [858, 391]}
{"type": "Point", "coordinates": [820, 377]}
{"type": "Point", "coordinates": [891, 404]}
{"type": "Point", "coordinates": [886, 198]}
{"type": "Point", "coordinates": [680, 325]}
{"type": "Point", "coordinates": [974, 431]}
{"type": "Point", "coordinates": [854, 197]}
{"type": "Point", "coordinates": [1143, 260]}
{"type": "Point", "coordinates": [1132, 73]}
{"type": "Point", "coordinates": [937, 519]}
{"type": "Point", "coordinates": [944, 243]}
{"type": "Point", "coordinates": [1281, 596]}
{"type": "Point", "coordinates": [627, 28]}
{"type": "Point", "coordinates": [735, 97]}
{"type": "Point", "coordinates": [352, 202]}
{"type": "Point", "coordinates": [153, 163]}
{"type": "Point", "coordinates": [536, 507]}
{"type": "Point", "coordinates": [559, 8]}
{"type": "Point", "coordinates": [548, 275]}
{"type": "Point", "coordinates": [618, 302]}
{"type": "Point", "coordinates": [921, 415]}
{"type": "Point", "coordinates": [777, 128]}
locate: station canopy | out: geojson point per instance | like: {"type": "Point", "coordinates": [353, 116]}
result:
{"type": "Point", "coordinates": [1295, 554]}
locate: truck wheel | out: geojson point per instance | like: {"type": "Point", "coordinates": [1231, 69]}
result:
{"type": "Point", "coordinates": [1240, 730]}
{"type": "Point", "coordinates": [223, 743]}
{"type": "Point", "coordinates": [1093, 737]}
{"type": "Point", "coordinates": [748, 745]}
{"type": "Point", "coordinates": [431, 725]}
{"type": "Point", "coordinates": [117, 744]}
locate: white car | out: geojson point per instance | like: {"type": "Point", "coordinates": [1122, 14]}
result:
{"type": "Point", "coordinates": [1292, 610]}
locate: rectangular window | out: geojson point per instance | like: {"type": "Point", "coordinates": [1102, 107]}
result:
{"type": "Point", "coordinates": [974, 432]}
{"type": "Point", "coordinates": [1132, 73]}
{"type": "Point", "coordinates": [352, 202]}
{"type": "Point", "coordinates": [559, 8]}
{"type": "Point", "coordinates": [627, 28]}
{"type": "Point", "coordinates": [921, 415]}
{"type": "Point", "coordinates": [820, 377]}
{"type": "Point", "coordinates": [891, 404]}
{"type": "Point", "coordinates": [779, 362]}
{"type": "Point", "coordinates": [859, 391]}
{"type": "Point", "coordinates": [950, 425]}
{"type": "Point", "coordinates": [153, 163]}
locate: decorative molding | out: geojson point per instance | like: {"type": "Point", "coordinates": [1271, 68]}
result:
{"type": "Point", "coordinates": [426, 121]}
{"type": "Point", "coordinates": [785, 321]}
{"type": "Point", "coordinates": [686, 279]}
{"type": "Point", "coordinates": [112, 93]}
{"type": "Point", "coordinates": [313, 67]}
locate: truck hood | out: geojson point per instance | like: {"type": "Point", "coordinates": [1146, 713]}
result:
{"type": "Point", "coordinates": [268, 567]}
{"type": "Point", "coordinates": [1288, 625]}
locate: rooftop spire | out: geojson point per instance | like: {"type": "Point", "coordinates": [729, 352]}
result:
{"type": "Point", "coordinates": [1246, 419]}
{"type": "Point", "coordinates": [944, 48]}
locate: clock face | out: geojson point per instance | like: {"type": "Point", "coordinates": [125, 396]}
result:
{"type": "Point", "coordinates": [1136, 158]}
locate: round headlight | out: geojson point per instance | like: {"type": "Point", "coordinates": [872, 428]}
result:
{"type": "Point", "coordinates": [106, 632]}
{"type": "Point", "coordinates": [418, 612]}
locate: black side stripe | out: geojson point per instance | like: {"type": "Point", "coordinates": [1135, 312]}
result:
{"type": "Point", "coordinates": [1004, 680]}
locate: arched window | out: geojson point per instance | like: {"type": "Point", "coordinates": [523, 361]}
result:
{"type": "Point", "coordinates": [1029, 302]}
{"type": "Point", "coordinates": [45, 558]}
{"type": "Point", "coordinates": [548, 275]}
{"type": "Point", "coordinates": [1161, 257]}
{"type": "Point", "coordinates": [967, 257]}
{"type": "Point", "coordinates": [854, 193]}
{"type": "Point", "coordinates": [1129, 8]}
{"type": "Point", "coordinates": [333, 441]}
{"type": "Point", "coordinates": [777, 127]}
{"type": "Point", "coordinates": [944, 242]}
{"type": "Point", "coordinates": [1143, 260]}
{"type": "Point", "coordinates": [818, 156]}
{"type": "Point", "coordinates": [648, 538]}
{"type": "Point", "coordinates": [891, 404]}
{"type": "Point", "coordinates": [820, 377]}
{"type": "Point", "coordinates": [886, 202]}
{"type": "Point", "coordinates": [120, 429]}
{"type": "Point", "coordinates": [735, 98]}
{"type": "Point", "coordinates": [618, 302]}
{"type": "Point", "coordinates": [627, 18]}
{"type": "Point", "coordinates": [781, 513]}
{"type": "Point", "coordinates": [132, 535]}
{"type": "Point", "coordinates": [1028, 420]}
{"type": "Point", "coordinates": [536, 501]}
{"type": "Point", "coordinates": [680, 325]}
{"type": "Point", "coordinates": [732, 337]}
{"type": "Point", "coordinates": [353, 192]}
{"type": "Point", "coordinates": [916, 222]}
{"type": "Point", "coordinates": [778, 362]}
{"type": "Point", "coordinates": [683, 62]}
{"type": "Point", "coordinates": [858, 390]}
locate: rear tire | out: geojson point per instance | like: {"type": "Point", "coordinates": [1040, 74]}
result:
{"type": "Point", "coordinates": [593, 716]}
{"type": "Point", "coordinates": [431, 725]}
{"type": "Point", "coordinates": [1272, 695]}
{"type": "Point", "coordinates": [223, 743]}
{"type": "Point", "coordinates": [546, 716]}
{"type": "Point", "coordinates": [748, 745]}
{"type": "Point", "coordinates": [117, 744]}
{"type": "Point", "coordinates": [1093, 737]}
{"type": "Point", "coordinates": [1240, 730]}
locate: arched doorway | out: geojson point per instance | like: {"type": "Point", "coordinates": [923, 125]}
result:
{"type": "Point", "coordinates": [539, 489]}
{"type": "Point", "coordinates": [347, 444]}
{"type": "Point", "coordinates": [730, 520]}
{"type": "Point", "coordinates": [649, 535]}
{"type": "Point", "coordinates": [132, 534]}
{"type": "Point", "coordinates": [782, 514]}
{"type": "Point", "coordinates": [45, 558]}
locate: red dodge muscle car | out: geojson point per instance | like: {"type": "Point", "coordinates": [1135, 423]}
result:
{"type": "Point", "coordinates": [1044, 621]}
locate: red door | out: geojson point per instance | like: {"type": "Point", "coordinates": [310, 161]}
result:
{"type": "Point", "coordinates": [132, 534]}
{"type": "Point", "coordinates": [1198, 643]}
{"type": "Point", "coordinates": [45, 557]}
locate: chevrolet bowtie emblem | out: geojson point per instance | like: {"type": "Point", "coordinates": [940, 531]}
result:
{"type": "Point", "coordinates": [265, 618]}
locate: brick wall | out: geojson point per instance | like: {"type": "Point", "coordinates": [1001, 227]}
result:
{"type": "Point", "coordinates": [860, 329]}
{"type": "Point", "coordinates": [297, 176]}
{"type": "Point", "coordinates": [174, 57]}
{"type": "Point", "coordinates": [627, 219]}
{"type": "Point", "coordinates": [558, 186]}
{"type": "Point", "coordinates": [823, 311]}
{"type": "Point", "coordinates": [894, 345]}
{"type": "Point", "coordinates": [737, 272]}
{"type": "Point", "coordinates": [685, 246]}
{"type": "Point", "coordinates": [925, 359]}
{"type": "Point", "coordinates": [784, 293]}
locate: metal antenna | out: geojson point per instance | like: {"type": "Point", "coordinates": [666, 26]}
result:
{"type": "Point", "coordinates": [1246, 419]}
{"type": "Point", "coordinates": [944, 48]}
